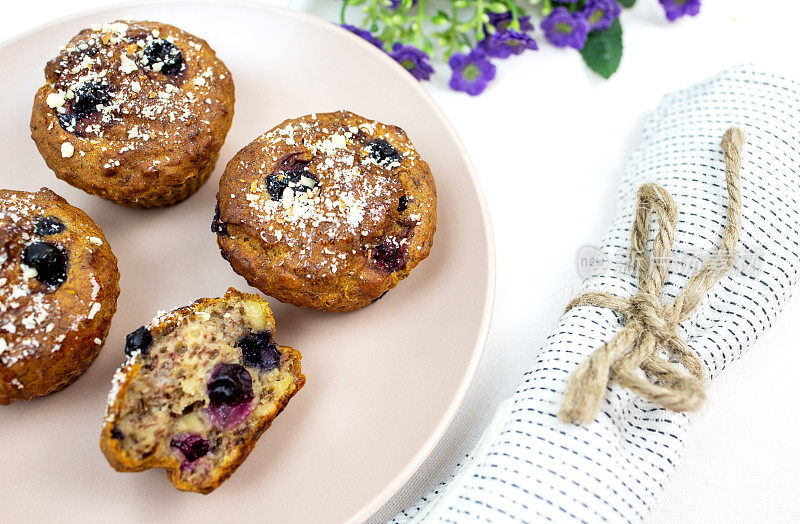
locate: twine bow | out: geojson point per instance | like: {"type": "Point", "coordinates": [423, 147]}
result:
{"type": "Point", "coordinates": [650, 324]}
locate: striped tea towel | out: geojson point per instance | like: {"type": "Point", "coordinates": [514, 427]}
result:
{"type": "Point", "coordinates": [531, 467]}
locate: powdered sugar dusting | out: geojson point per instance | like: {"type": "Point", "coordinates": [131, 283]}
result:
{"type": "Point", "coordinates": [32, 320]}
{"type": "Point", "coordinates": [117, 381]}
{"type": "Point", "coordinates": [142, 101]}
{"type": "Point", "coordinates": [353, 205]}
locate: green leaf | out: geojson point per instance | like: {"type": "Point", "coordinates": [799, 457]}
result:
{"type": "Point", "coordinates": [603, 50]}
{"type": "Point", "coordinates": [626, 3]}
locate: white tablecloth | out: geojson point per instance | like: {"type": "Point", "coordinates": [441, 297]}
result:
{"type": "Point", "coordinates": [548, 138]}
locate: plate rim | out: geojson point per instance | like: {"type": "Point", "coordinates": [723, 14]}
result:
{"type": "Point", "coordinates": [405, 474]}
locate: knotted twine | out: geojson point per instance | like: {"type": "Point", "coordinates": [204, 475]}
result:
{"type": "Point", "coordinates": [650, 342]}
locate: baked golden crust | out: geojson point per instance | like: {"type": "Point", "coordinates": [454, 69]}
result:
{"type": "Point", "coordinates": [49, 335]}
{"type": "Point", "coordinates": [156, 136]}
{"type": "Point", "coordinates": [359, 212]}
{"type": "Point", "coordinates": [116, 448]}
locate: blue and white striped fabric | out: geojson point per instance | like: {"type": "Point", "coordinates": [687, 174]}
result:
{"type": "Point", "coordinates": [531, 467]}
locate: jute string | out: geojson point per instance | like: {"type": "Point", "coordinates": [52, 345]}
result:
{"type": "Point", "coordinates": [672, 378]}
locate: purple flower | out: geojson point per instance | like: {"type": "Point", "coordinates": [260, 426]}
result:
{"type": "Point", "coordinates": [472, 72]}
{"type": "Point", "coordinates": [501, 21]}
{"type": "Point", "coordinates": [394, 4]}
{"type": "Point", "coordinates": [505, 43]}
{"type": "Point", "coordinates": [417, 62]}
{"type": "Point", "coordinates": [565, 29]}
{"type": "Point", "coordinates": [366, 35]}
{"type": "Point", "coordinates": [678, 8]}
{"type": "Point", "coordinates": [601, 13]}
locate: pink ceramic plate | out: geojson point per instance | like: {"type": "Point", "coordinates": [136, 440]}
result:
{"type": "Point", "coordinates": [383, 382]}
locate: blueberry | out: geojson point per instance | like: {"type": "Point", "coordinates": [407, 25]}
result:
{"type": "Point", "coordinates": [166, 53]}
{"type": "Point", "coordinates": [116, 433]}
{"type": "Point", "coordinates": [383, 153]}
{"type": "Point", "coordinates": [259, 351]}
{"type": "Point", "coordinates": [49, 262]}
{"type": "Point", "coordinates": [192, 445]}
{"type": "Point", "coordinates": [47, 226]}
{"type": "Point", "coordinates": [218, 226]}
{"type": "Point", "coordinates": [230, 384]}
{"type": "Point", "coordinates": [389, 256]}
{"type": "Point", "coordinates": [139, 340]}
{"type": "Point", "coordinates": [276, 184]}
{"type": "Point", "coordinates": [88, 96]}
{"type": "Point", "coordinates": [68, 121]}
{"type": "Point", "coordinates": [293, 174]}
{"type": "Point", "coordinates": [402, 204]}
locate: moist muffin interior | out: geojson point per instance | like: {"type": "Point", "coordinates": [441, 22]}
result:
{"type": "Point", "coordinates": [167, 413]}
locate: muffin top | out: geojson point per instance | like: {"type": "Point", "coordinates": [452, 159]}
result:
{"type": "Point", "coordinates": [58, 279]}
{"type": "Point", "coordinates": [331, 194]}
{"type": "Point", "coordinates": [136, 97]}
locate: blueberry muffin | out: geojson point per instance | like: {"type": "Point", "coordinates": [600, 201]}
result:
{"type": "Point", "coordinates": [134, 112]}
{"type": "Point", "coordinates": [198, 388]}
{"type": "Point", "coordinates": [59, 285]}
{"type": "Point", "coordinates": [327, 211]}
